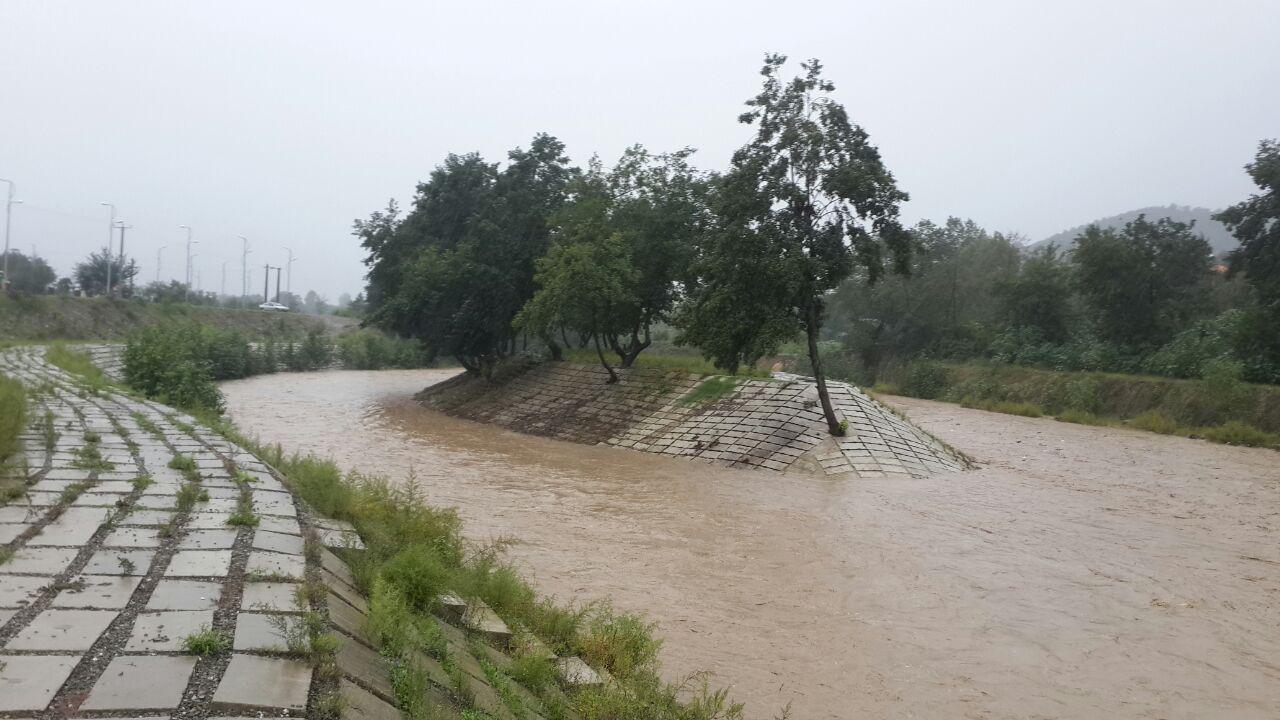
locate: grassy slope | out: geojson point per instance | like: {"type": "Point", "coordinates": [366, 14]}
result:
{"type": "Point", "coordinates": [66, 318]}
{"type": "Point", "coordinates": [1229, 412]}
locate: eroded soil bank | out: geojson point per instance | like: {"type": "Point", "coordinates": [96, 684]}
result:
{"type": "Point", "coordinates": [1082, 572]}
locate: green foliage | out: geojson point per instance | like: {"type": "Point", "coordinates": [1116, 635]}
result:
{"type": "Point", "coordinates": [1156, 422]}
{"type": "Point", "coordinates": [13, 417]}
{"type": "Point", "coordinates": [709, 390]}
{"type": "Point", "coordinates": [166, 363]}
{"type": "Point", "coordinates": [924, 379]}
{"type": "Point", "coordinates": [1145, 282]}
{"type": "Point", "coordinates": [206, 641]}
{"type": "Point", "coordinates": [29, 274]}
{"type": "Point", "coordinates": [809, 200]}
{"type": "Point", "coordinates": [1024, 409]}
{"type": "Point", "coordinates": [1037, 296]}
{"type": "Point", "coordinates": [457, 269]}
{"type": "Point", "coordinates": [419, 574]}
{"type": "Point", "coordinates": [1080, 417]}
{"type": "Point", "coordinates": [1238, 433]}
{"type": "Point", "coordinates": [369, 349]}
{"type": "Point", "coordinates": [621, 643]}
{"type": "Point", "coordinates": [76, 364]}
{"type": "Point", "coordinates": [182, 462]}
{"type": "Point", "coordinates": [91, 273]}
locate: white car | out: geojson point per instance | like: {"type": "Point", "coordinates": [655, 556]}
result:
{"type": "Point", "coordinates": [274, 306]}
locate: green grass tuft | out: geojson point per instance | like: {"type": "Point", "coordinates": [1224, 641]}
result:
{"type": "Point", "coordinates": [710, 390]}
{"type": "Point", "coordinates": [206, 642]}
{"type": "Point", "coordinates": [1238, 433]}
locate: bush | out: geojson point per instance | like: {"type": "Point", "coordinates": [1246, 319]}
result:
{"type": "Point", "coordinates": [1080, 417]}
{"type": "Point", "coordinates": [13, 417]}
{"type": "Point", "coordinates": [1155, 421]}
{"type": "Point", "coordinates": [925, 379]}
{"type": "Point", "coordinates": [1238, 433]}
{"type": "Point", "coordinates": [418, 573]}
{"type": "Point", "coordinates": [368, 349]}
{"type": "Point", "coordinates": [161, 362]}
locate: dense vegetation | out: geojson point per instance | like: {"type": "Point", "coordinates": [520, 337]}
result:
{"type": "Point", "coordinates": [798, 242]}
{"type": "Point", "coordinates": [489, 260]}
{"type": "Point", "coordinates": [179, 363]}
{"type": "Point", "coordinates": [13, 418]}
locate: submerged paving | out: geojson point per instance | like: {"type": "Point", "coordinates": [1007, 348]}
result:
{"type": "Point", "coordinates": [110, 580]}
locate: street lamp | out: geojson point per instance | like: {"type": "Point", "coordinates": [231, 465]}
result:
{"type": "Point", "coordinates": [288, 287]}
{"type": "Point", "coordinates": [8, 213]}
{"type": "Point", "coordinates": [244, 269]}
{"type": "Point", "coordinates": [162, 247]}
{"type": "Point", "coordinates": [111, 230]}
{"type": "Point", "coordinates": [187, 292]}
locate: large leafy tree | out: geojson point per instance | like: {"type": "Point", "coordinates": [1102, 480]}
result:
{"type": "Point", "coordinates": [1144, 282]}
{"type": "Point", "coordinates": [457, 268]}
{"type": "Point", "coordinates": [811, 197]}
{"type": "Point", "coordinates": [1038, 295]}
{"type": "Point", "coordinates": [1256, 224]}
{"type": "Point", "coordinates": [29, 274]}
{"type": "Point", "coordinates": [91, 273]}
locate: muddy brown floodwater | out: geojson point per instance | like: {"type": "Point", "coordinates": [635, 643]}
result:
{"type": "Point", "coordinates": [1081, 572]}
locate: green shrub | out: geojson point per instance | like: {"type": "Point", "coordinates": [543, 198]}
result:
{"type": "Point", "coordinates": [710, 390]}
{"type": "Point", "coordinates": [924, 379]}
{"type": "Point", "coordinates": [161, 363]}
{"type": "Point", "coordinates": [419, 574]}
{"type": "Point", "coordinates": [1081, 417]}
{"type": "Point", "coordinates": [1239, 433]}
{"type": "Point", "coordinates": [369, 349]}
{"type": "Point", "coordinates": [13, 417]}
{"type": "Point", "coordinates": [622, 643]}
{"type": "Point", "coordinates": [1157, 422]}
{"type": "Point", "coordinates": [1025, 409]}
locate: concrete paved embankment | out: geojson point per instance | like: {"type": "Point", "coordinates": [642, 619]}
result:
{"type": "Point", "coordinates": [771, 424]}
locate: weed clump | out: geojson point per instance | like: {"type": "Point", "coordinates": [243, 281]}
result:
{"type": "Point", "coordinates": [13, 417]}
{"type": "Point", "coordinates": [206, 641]}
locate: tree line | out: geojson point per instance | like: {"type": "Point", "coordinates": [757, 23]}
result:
{"type": "Point", "coordinates": [798, 239]}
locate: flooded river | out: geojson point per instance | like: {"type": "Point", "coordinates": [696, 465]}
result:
{"type": "Point", "coordinates": [1082, 573]}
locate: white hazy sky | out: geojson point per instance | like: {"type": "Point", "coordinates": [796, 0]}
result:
{"type": "Point", "coordinates": [283, 121]}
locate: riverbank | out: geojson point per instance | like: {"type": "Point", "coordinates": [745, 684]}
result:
{"type": "Point", "coordinates": [771, 423]}
{"type": "Point", "coordinates": [55, 317]}
{"type": "Point", "coordinates": [1079, 572]}
{"type": "Point", "coordinates": [149, 562]}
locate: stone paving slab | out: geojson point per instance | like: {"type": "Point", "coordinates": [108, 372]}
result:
{"type": "Point", "coordinates": [259, 682]}
{"type": "Point", "coordinates": [133, 537]}
{"type": "Point", "coordinates": [57, 629]}
{"type": "Point", "coordinates": [199, 563]}
{"type": "Point", "coordinates": [29, 682]}
{"type": "Point", "coordinates": [141, 682]}
{"type": "Point", "coordinates": [211, 539]}
{"type": "Point", "coordinates": [17, 591]}
{"type": "Point", "coordinates": [120, 562]}
{"type": "Point", "coordinates": [262, 631]}
{"type": "Point", "coordinates": [97, 591]}
{"type": "Point", "coordinates": [156, 631]}
{"type": "Point", "coordinates": [277, 542]}
{"type": "Point", "coordinates": [363, 705]}
{"type": "Point", "coordinates": [39, 561]}
{"type": "Point", "coordinates": [280, 597]}
{"type": "Point", "coordinates": [266, 563]}
{"type": "Point", "coordinates": [185, 595]}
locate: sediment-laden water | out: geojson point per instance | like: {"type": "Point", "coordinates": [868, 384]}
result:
{"type": "Point", "coordinates": [1084, 572]}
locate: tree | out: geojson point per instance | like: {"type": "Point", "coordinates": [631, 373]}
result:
{"type": "Point", "coordinates": [29, 274]}
{"type": "Point", "coordinates": [1037, 297]}
{"type": "Point", "coordinates": [91, 274]}
{"type": "Point", "coordinates": [813, 199]}
{"type": "Point", "coordinates": [647, 210]}
{"type": "Point", "coordinates": [1256, 224]}
{"type": "Point", "coordinates": [457, 269]}
{"type": "Point", "coordinates": [1143, 283]}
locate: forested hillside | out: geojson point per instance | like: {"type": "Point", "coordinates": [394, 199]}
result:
{"type": "Point", "coordinates": [1217, 234]}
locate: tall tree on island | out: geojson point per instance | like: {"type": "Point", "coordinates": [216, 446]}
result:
{"type": "Point", "coordinates": [803, 204]}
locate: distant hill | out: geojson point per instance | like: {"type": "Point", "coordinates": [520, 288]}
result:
{"type": "Point", "coordinates": [1215, 232]}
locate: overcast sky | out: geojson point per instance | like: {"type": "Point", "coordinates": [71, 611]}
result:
{"type": "Point", "coordinates": [283, 121]}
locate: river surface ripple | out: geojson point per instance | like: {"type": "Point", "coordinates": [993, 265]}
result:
{"type": "Point", "coordinates": [1051, 583]}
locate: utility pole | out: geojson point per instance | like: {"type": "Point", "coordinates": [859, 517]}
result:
{"type": "Point", "coordinates": [244, 269]}
{"type": "Point", "coordinates": [111, 234]}
{"type": "Point", "coordinates": [278, 284]}
{"type": "Point", "coordinates": [162, 247]}
{"type": "Point", "coordinates": [266, 283]}
{"type": "Point", "coordinates": [8, 215]}
{"type": "Point", "coordinates": [224, 279]}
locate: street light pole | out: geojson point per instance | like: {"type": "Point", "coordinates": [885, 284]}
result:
{"type": "Point", "coordinates": [8, 214]}
{"type": "Point", "coordinates": [187, 291]}
{"type": "Point", "coordinates": [224, 279]}
{"type": "Point", "coordinates": [162, 247]}
{"type": "Point", "coordinates": [288, 287]}
{"type": "Point", "coordinates": [121, 224]}
{"type": "Point", "coordinates": [244, 269]}
{"type": "Point", "coordinates": [111, 229]}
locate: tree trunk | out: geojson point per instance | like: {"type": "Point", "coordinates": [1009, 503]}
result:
{"type": "Point", "coordinates": [613, 376]}
{"type": "Point", "coordinates": [556, 354]}
{"type": "Point", "coordinates": [812, 325]}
